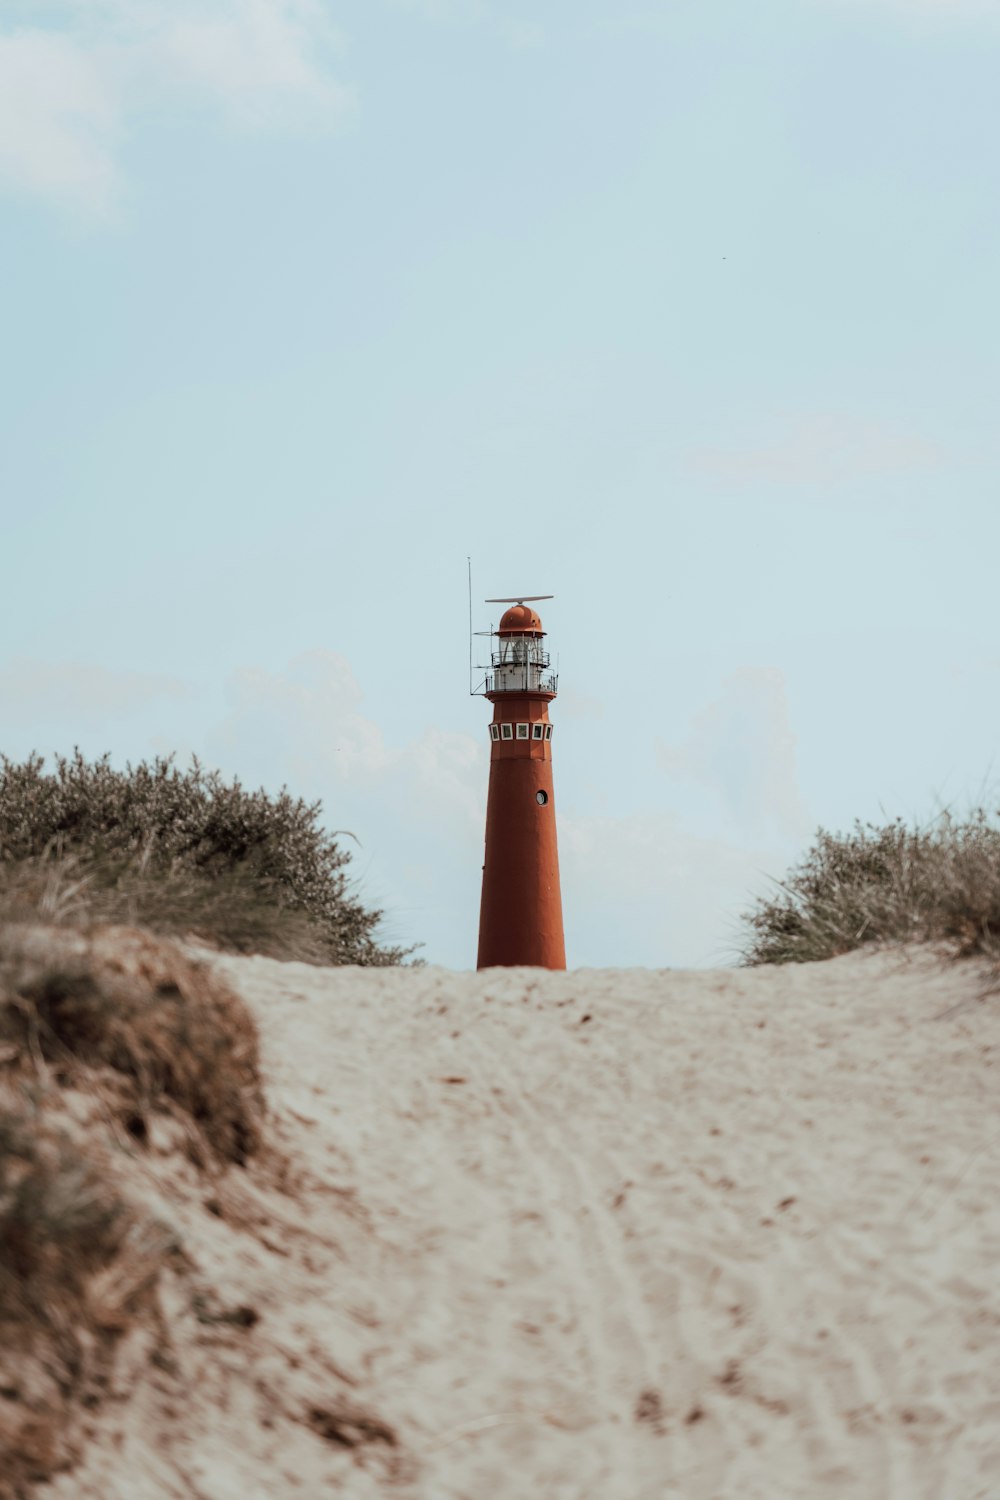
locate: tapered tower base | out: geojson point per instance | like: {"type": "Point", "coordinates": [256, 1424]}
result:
{"type": "Point", "coordinates": [520, 920]}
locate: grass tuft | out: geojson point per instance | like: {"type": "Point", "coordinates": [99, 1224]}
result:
{"type": "Point", "coordinates": [110, 1027]}
{"type": "Point", "coordinates": [180, 852]}
{"type": "Point", "coordinates": [172, 1032]}
{"type": "Point", "coordinates": [885, 884]}
{"type": "Point", "coordinates": [78, 1266]}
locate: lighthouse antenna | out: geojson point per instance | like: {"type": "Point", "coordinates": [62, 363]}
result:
{"type": "Point", "coordinates": [520, 599]}
{"type": "Point", "coordinates": [472, 691]}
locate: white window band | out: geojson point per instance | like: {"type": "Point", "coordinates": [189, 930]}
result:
{"type": "Point", "coordinates": [534, 731]}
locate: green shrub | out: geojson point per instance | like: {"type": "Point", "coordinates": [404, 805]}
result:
{"type": "Point", "coordinates": [894, 883]}
{"type": "Point", "coordinates": [180, 851]}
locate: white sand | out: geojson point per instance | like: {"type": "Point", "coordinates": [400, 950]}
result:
{"type": "Point", "coordinates": [594, 1236]}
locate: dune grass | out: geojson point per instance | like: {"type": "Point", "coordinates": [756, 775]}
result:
{"type": "Point", "coordinates": [79, 1266]}
{"type": "Point", "coordinates": [101, 1032]}
{"type": "Point", "coordinates": [895, 883]}
{"type": "Point", "coordinates": [180, 852]}
{"type": "Point", "coordinates": [235, 910]}
{"type": "Point", "coordinates": [163, 1032]}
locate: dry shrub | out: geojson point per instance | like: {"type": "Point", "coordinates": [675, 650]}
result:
{"type": "Point", "coordinates": [78, 1266]}
{"type": "Point", "coordinates": [129, 1019]}
{"type": "Point", "coordinates": [120, 999]}
{"type": "Point", "coordinates": [232, 909]}
{"type": "Point", "coordinates": [181, 851]}
{"type": "Point", "coordinates": [938, 884]}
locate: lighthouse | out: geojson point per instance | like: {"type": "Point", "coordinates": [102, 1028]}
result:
{"type": "Point", "coordinates": [520, 918]}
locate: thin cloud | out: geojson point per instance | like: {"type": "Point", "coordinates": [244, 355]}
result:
{"type": "Point", "coordinates": [259, 59]}
{"type": "Point", "coordinates": [69, 90]}
{"type": "Point", "coordinates": [522, 33]}
{"type": "Point", "coordinates": [574, 705]}
{"type": "Point", "coordinates": [78, 694]}
{"type": "Point", "coordinates": [948, 8]}
{"type": "Point", "coordinates": [644, 889]}
{"type": "Point", "coordinates": [446, 10]}
{"type": "Point", "coordinates": [819, 451]}
{"type": "Point", "coordinates": [742, 746]}
{"type": "Point", "coordinates": [307, 724]}
{"type": "Point", "coordinates": [59, 120]}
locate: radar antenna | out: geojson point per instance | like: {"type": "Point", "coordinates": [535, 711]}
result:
{"type": "Point", "coordinates": [520, 599]}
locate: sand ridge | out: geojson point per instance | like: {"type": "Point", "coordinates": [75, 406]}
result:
{"type": "Point", "coordinates": [613, 1234]}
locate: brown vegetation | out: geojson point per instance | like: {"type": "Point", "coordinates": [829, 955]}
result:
{"type": "Point", "coordinates": [172, 1033]}
{"type": "Point", "coordinates": [98, 1034]}
{"type": "Point", "coordinates": [78, 1267]}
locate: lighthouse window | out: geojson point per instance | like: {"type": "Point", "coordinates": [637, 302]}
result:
{"type": "Point", "coordinates": [522, 731]}
{"type": "Point", "coordinates": [541, 798]}
{"type": "Point", "coordinates": [494, 731]}
{"type": "Point", "coordinates": [538, 731]}
{"type": "Point", "coordinates": [548, 731]}
{"type": "Point", "coordinates": [506, 731]}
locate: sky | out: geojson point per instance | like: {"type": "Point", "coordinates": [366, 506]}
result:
{"type": "Point", "coordinates": [684, 313]}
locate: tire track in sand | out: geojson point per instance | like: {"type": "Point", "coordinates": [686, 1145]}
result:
{"type": "Point", "coordinates": [622, 1357]}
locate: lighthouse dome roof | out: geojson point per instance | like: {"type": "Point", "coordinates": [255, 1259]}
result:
{"type": "Point", "coordinates": [520, 619]}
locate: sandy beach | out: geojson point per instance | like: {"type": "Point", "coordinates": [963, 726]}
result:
{"type": "Point", "coordinates": [604, 1235]}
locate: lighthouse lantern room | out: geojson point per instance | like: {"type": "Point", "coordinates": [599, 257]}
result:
{"type": "Point", "coordinates": [520, 920]}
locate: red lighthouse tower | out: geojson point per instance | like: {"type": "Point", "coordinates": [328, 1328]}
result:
{"type": "Point", "coordinates": [520, 919]}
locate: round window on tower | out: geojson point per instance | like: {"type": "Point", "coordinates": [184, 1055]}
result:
{"type": "Point", "coordinates": [541, 798]}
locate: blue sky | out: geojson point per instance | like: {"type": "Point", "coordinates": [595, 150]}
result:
{"type": "Point", "coordinates": [685, 313]}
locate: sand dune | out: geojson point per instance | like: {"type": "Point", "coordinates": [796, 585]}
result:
{"type": "Point", "coordinates": [617, 1235]}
